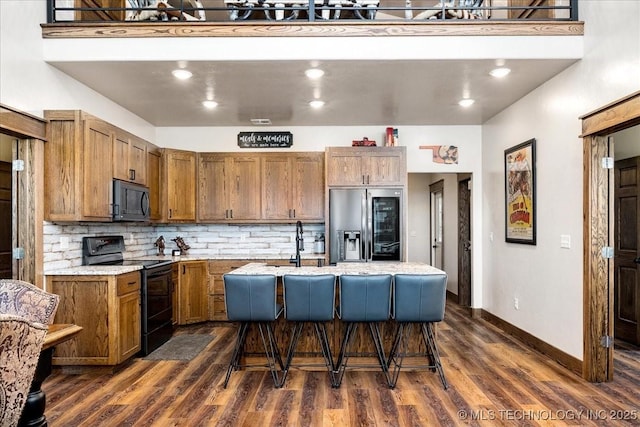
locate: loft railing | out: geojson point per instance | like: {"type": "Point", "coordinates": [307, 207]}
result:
{"type": "Point", "coordinates": [336, 11]}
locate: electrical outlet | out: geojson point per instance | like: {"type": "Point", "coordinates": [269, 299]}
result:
{"type": "Point", "coordinates": [64, 242]}
{"type": "Point", "coordinates": [516, 303]}
{"type": "Point", "coordinates": [242, 237]}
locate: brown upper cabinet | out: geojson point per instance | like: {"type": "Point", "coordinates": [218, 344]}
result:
{"type": "Point", "coordinates": [82, 156]}
{"type": "Point", "coordinates": [129, 158]}
{"type": "Point", "coordinates": [229, 187]}
{"type": "Point", "coordinates": [78, 180]}
{"type": "Point", "coordinates": [358, 166]}
{"type": "Point", "coordinates": [293, 186]}
{"type": "Point", "coordinates": [179, 177]}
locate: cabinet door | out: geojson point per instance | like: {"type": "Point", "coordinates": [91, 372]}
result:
{"type": "Point", "coordinates": [307, 181]}
{"type": "Point", "coordinates": [129, 326]}
{"type": "Point", "coordinates": [138, 161]}
{"type": "Point", "coordinates": [154, 161]}
{"type": "Point", "coordinates": [181, 174]}
{"type": "Point", "coordinates": [193, 292]}
{"type": "Point", "coordinates": [213, 197]}
{"type": "Point", "coordinates": [345, 168]}
{"type": "Point", "coordinates": [121, 146]}
{"type": "Point", "coordinates": [97, 183]}
{"type": "Point", "coordinates": [386, 169]}
{"type": "Point", "coordinates": [276, 187]}
{"type": "Point", "coordinates": [245, 188]}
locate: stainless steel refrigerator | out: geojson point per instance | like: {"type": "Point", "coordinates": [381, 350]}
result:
{"type": "Point", "coordinates": [365, 225]}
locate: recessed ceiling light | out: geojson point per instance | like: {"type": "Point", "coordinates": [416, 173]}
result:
{"type": "Point", "coordinates": [182, 74]}
{"type": "Point", "coordinates": [500, 72]}
{"type": "Point", "coordinates": [210, 104]}
{"type": "Point", "coordinates": [314, 73]}
{"type": "Point", "coordinates": [467, 102]}
{"type": "Point", "coordinates": [316, 103]}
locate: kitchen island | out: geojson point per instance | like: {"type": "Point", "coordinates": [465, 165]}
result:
{"type": "Point", "coordinates": [339, 269]}
{"type": "Point", "coordinates": [308, 346]}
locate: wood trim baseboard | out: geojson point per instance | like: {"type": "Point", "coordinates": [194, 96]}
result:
{"type": "Point", "coordinates": [452, 297]}
{"type": "Point", "coordinates": [564, 359]}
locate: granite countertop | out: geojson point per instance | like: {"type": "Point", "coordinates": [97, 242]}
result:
{"type": "Point", "coordinates": [342, 268]}
{"type": "Point", "coordinates": [94, 270]}
{"type": "Point", "coordinates": [112, 270]}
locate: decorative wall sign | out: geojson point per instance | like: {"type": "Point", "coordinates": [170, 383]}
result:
{"type": "Point", "coordinates": [443, 153]}
{"type": "Point", "coordinates": [520, 193]}
{"type": "Point", "coordinates": [265, 139]}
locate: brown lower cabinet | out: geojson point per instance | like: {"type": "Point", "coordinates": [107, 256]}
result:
{"type": "Point", "coordinates": [191, 291]}
{"type": "Point", "coordinates": [107, 308]}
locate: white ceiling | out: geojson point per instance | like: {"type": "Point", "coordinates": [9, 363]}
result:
{"type": "Point", "coordinates": [356, 92]}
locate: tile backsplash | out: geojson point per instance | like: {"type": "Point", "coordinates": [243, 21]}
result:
{"type": "Point", "coordinates": [63, 242]}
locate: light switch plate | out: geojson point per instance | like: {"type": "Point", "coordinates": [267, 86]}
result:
{"type": "Point", "coordinates": [565, 241]}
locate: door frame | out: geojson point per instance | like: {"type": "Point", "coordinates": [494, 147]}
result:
{"type": "Point", "coordinates": [28, 191]}
{"type": "Point", "coordinates": [598, 218]}
{"type": "Point", "coordinates": [436, 187]}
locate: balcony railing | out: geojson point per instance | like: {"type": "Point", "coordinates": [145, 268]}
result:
{"type": "Point", "coordinates": [325, 11]}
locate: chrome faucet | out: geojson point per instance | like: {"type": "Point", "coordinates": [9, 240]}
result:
{"type": "Point", "coordinates": [299, 244]}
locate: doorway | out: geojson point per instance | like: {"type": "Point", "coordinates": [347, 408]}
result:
{"type": "Point", "coordinates": [6, 227]}
{"type": "Point", "coordinates": [599, 227]}
{"type": "Point", "coordinates": [626, 309]}
{"type": "Point", "coordinates": [24, 135]}
{"type": "Point", "coordinates": [464, 240]}
{"type": "Point", "coordinates": [437, 224]}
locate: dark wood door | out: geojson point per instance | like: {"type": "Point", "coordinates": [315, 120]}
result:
{"type": "Point", "coordinates": [5, 221]}
{"type": "Point", "coordinates": [626, 251]}
{"type": "Point", "coordinates": [464, 243]}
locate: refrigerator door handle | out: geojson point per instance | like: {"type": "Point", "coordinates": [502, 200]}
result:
{"type": "Point", "coordinates": [364, 226]}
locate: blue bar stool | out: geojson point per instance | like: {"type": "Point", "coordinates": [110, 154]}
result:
{"type": "Point", "coordinates": [251, 299]}
{"type": "Point", "coordinates": [417, 299]}
{"type": "Point", "coordinates": [309, 299]}
{"type": "Point", "coordinates": [363, 299]}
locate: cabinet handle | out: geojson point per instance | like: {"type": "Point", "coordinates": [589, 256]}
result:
{"type": "Point", "coordinates": [363, 182]}
{"type": "Point", "coordinates": [226, 213]}
{"type": "Point", "coordinates": [368, 176]}
{"type": "Point", "coordinates": [231, 213]}
{"type": "Point", "coordinates": [294, 213]}
{"type": "Point", "coordinates": [132, 174]}
{"type": "Point", "coordinates": [184, 269]}
{"type": "Point", "coordinates": [131, 283]}
{"type": "Point", "coordinates": [170, 213]}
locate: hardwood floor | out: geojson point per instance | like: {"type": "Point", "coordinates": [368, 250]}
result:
{"type": "Point", "coordinates": [494, 380]}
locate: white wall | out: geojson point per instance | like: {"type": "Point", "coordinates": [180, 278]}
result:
{"type": "Point", "coordinates": [418, 229]}
{"type": "Point", "coordinates": [30, 85]}
{"type": "Point", "coordinates": [546, 279]}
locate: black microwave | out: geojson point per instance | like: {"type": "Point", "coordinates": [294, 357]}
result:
{"type": "Point", "coordinates": [130, 201]}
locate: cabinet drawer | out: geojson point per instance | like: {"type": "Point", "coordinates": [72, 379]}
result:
{"type": "Point", "coordinates": [129, 282]}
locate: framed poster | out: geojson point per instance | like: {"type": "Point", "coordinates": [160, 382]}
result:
{"type": "Point", "coordinates": [520, 193]}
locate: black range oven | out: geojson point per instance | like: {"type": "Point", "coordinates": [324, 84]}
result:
{"type": "Point", "coordinates": [156, 290]}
